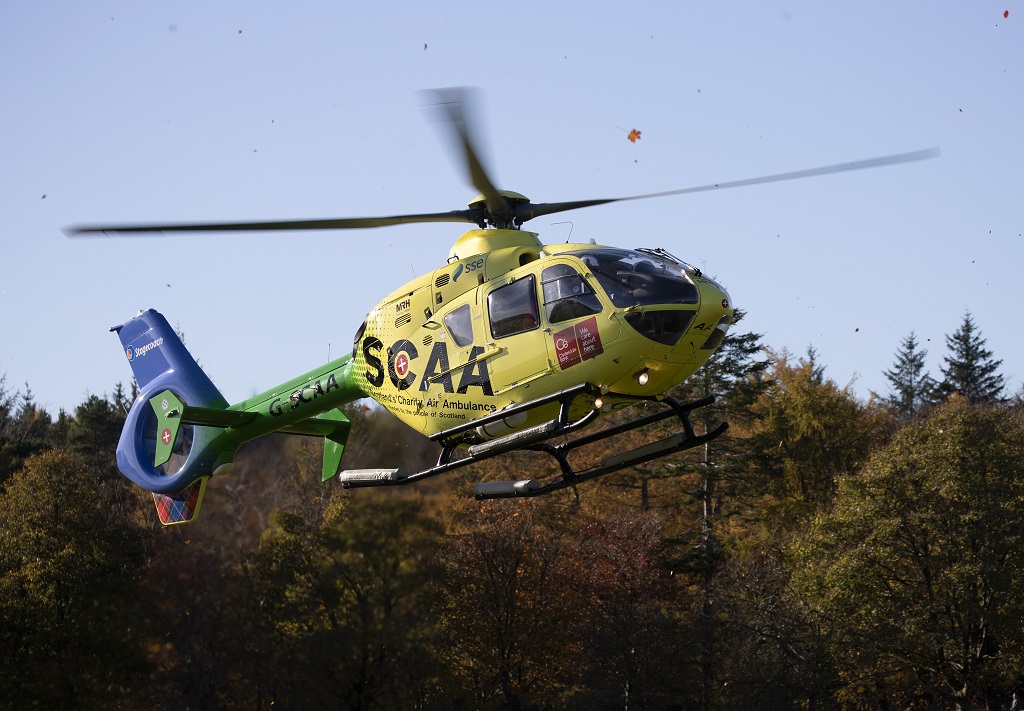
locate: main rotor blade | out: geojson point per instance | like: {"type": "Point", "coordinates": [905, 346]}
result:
{"type": "Point", "coordinates": [350, 223]}
{"type": "Point", "coordinates": [455, 106]}
{"type": "Point", "coordinates": [530, 211]}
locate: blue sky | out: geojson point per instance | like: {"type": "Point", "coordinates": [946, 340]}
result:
{"type": "Point", "coordinates": [197, 111]}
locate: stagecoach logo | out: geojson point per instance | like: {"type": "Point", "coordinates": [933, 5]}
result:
{"type": "Point", "coordinates": [134, 353]}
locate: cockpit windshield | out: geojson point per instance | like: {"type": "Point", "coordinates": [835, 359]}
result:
{"type": "Point", "coordinates": [639, 278]}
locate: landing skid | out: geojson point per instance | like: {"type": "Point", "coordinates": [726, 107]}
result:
{"type": "Point", "coordinates": [537, 439]}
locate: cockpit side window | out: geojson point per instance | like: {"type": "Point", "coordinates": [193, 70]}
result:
{"type": "Point", "coordinates": [513, 308]}
{"type": "Point", "coordinates": [460, 324]}
{"type": "Point", "coordinates": [639, 279]}
{"type": "Point", "coordinates": [567, 294]}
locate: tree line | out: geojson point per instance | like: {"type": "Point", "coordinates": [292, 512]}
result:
{"type": "Point", "coordinates": [827, 552]}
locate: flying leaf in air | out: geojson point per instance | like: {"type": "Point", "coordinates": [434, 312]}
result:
{"type": "Point", "coordinates": [1006, 13]}
{"type": "Point", "coordinates": [633, 135]}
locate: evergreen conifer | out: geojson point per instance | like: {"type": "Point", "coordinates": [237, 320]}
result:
{"type": "Point", "coordinates": [971, 370]}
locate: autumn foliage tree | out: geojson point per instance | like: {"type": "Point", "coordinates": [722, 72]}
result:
{"type": "Point", "coordinates": [69, 570]}
{"type": "Point", "coordinates": [344, 601]}
{"type": "Point", "coordinates": [508, 591]}
{"type": "Point", "coordinates": [918, 568]}
{"type": "Point", "coordinates": [809, 430]}
{"type": "Point", "coordinates": [625, 614]}
{"type": "Point", "coordinates": [563, 609]}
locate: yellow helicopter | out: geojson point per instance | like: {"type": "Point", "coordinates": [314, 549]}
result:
{"type": "Point", "coordinates": [510, 344]}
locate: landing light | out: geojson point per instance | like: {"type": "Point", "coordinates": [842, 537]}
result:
{"type": "Point", "coordinates": [642, 377]}
{"type": "Point", "coordinates": [598, 403]}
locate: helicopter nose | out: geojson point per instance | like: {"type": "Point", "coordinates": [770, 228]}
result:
{"type": "Point", "coordinates": [725, 320]}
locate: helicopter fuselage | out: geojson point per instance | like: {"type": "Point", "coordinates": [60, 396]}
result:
{"type": "Point", "coordinates": [508, 320]}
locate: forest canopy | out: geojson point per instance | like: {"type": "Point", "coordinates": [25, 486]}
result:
{"type": "Point", "coordinates": [827, 552]}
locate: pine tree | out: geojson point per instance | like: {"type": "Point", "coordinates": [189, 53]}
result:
{"type": "Point", "coordinates": [32, 424]}
{"type": "Point", "coordinates": [817, 371]}
{"type": "Point", "coordinates": [9, 461]}
{"type": "Point", "coordinates": [971, 371]}
{"type": "Point", "coordinates": [23, 428]}
{"type": "Point", "coordinates": [94, 433]}
{"type": "Point", "coordinates": [735, 375]}
{"type": "Point", "coordinates": [912, 387]}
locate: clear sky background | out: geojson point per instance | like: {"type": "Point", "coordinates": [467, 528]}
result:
{"type": "Point", "coordinates": [231, 110]}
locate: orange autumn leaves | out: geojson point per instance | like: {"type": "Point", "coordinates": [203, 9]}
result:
{"type": "Point", "coordinates": [633, 136]}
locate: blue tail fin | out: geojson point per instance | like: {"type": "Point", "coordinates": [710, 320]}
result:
{"type": "Point", "coordinates": [153, 349]}
{"type": "Point", "coordinates": [157, 451]}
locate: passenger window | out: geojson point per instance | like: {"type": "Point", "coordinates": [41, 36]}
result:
{"type": "Point", "coordinates": [513, 308]}
{"type": "Point", "coordinates": [460, 325]}
{"type": "Point", "coordinates": [567, 295]}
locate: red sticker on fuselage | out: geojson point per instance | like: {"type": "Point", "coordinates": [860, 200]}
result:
{"type": "Point", "coordinates": [566, 347]}
{"type": "Point", "coordinates": [578, 343]}
{"type": "Point", "coordinates": [402, 365]}
{"type": "Point", "coordinates": [589, 338]}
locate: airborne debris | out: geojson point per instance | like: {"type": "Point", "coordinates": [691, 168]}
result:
{"type": "Point", "coordinates": [633, 135]}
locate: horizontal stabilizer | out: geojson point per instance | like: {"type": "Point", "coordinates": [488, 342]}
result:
{"type": "Point", "coordinates": [216, 418]}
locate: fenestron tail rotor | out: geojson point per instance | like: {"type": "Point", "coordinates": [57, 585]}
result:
{"type": "Point", "coordinates": [495, 208]}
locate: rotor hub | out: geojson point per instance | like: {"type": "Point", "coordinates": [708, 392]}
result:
{"type": "Point", "coordinates": [505, 215]}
